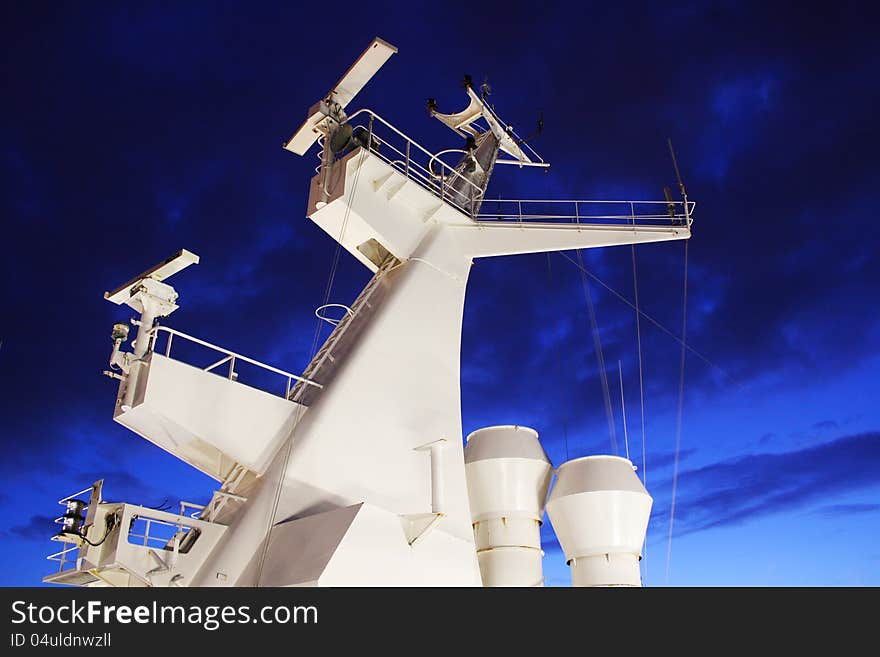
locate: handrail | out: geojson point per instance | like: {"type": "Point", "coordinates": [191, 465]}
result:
{"type": "Point", "coordinates": [61, 554]}
{"type": "Point", "coordinates": [148, 525]}
{"type": "Point", "coordinates": [680, 211]}
{"type": "Point", "coordinates": [199, 508]}
{"type": "Point", "coordinates": [229, 356]}
{"type": "Point", "coordinates": [512, 209]}
{"type": "Point", "coordinates": [585, 200]}
{"type": "Point", "coordinates": [70, 497]}
{"type": "Point", "coordinates": [408, 139]}
{"type": "Point", "coordinates": [425, 177]}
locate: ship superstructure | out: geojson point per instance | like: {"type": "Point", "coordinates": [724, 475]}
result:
{"type": "Point", "coordinates": [354, 472]}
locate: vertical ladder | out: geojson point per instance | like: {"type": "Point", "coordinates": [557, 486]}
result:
{"type": "Point", "coordinates": [322, 366]}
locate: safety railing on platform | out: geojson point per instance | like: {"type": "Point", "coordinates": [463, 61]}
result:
{"type": "Point", "coordinates": [229, 358]}
{"type": "Point", "coordinates": [158, 534]}
{"type": "Point", "coordinates": [415, 161]}
{"type": "Point", "coordinates": [637, 213]}
{"type": "Point", "coordinates": [199, 509]}
{"type": "Point", "coordinates": [429, 171]}
{"type": "Point", "coordinates": [63, 556]}
{"type": "Point", "coordinates": [65, 562]}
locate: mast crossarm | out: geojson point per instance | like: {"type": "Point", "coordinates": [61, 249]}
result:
{"type": "Point", "coordinates": [483, 239]}
{"type": "Point", "coordinates": [535, 226]}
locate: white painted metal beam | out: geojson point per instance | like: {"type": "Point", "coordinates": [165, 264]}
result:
{"type": "Point", "coordinates": [483, 239]}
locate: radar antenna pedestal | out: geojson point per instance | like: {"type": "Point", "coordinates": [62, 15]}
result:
{"type": "Point", "coordinates": [148, 294]}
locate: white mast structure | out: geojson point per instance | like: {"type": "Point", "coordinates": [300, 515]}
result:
{"type": "Point", "coordinates": [356, 474]}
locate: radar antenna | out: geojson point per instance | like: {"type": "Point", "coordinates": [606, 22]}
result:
{"type": "Point", "coordinates": [152, 297]}
{"type": "Point", "coordinates": [330, 110]}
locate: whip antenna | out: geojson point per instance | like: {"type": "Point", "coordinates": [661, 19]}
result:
{"type": "Point", "coordinates": [684, 198]}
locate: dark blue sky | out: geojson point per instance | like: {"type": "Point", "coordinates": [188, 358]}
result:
{"type": "Point", "coordinates": [129, 132]}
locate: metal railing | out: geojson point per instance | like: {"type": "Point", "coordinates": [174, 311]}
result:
{"type": "Point", "coordinates": [152, 540]}
{"type": "Point", "coordinates": [66, 561]}
{"type": "Point", "coordinates": [415, 161]}
{"type": "Point", "coordinates": [636, 213]}
{"type": "Point", "coordinates": [199, 509]}
{"type": "Point", "coordinates": [229, 357]}
{"type": "Point", "coordinates": [73, 546]}
{"type": "Point", "coordinates": [427, 169]}
{"type": "Point", "coordinates": [61, 557]}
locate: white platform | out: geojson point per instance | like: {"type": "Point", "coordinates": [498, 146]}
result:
{"type": "Point", "coordinates": [207, 420]}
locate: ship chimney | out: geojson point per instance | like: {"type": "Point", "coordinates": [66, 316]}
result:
{"type": "Point", "coordinates": [508, 475]}
{"type": "Point", "coordinates": [599, 510]}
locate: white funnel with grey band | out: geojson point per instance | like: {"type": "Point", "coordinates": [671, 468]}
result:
{"type": "Point", "coordinates": [599, 510]}
{"type": "Point", "coordinates": [508, 475]}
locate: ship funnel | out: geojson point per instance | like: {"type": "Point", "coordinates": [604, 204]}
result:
{"type": "Point", "coordinates": [508, 475]}
{"type": "Point", "coordinates": [599, 510]}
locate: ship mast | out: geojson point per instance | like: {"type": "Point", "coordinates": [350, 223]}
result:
{"type": "Point", "coordinates": [356, 474]}
{"type": "Point", "coordinates": [382, 437]}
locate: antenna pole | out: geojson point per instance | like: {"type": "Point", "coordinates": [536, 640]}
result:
{"type": "Point", "coordinates": [680, 183]}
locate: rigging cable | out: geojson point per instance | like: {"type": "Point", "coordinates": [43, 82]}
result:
{"type": "Point", "coordinates": [110, 522]}
{"type": "Point", "coordinates": [288, 447]}
{"type": "Point", "coordinates": [641, 398]}
{"type": "Point", "coordinates": [600, 357]}
{"type": "Point", "coordinates": [678, 422]}
{"type": "Point", "coordinates": [653, 321]}
{"type": "Point", "coordinates": [623, 408]}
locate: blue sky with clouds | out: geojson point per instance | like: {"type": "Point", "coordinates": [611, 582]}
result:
{"type": "Point", "coordinates": [131, 131]}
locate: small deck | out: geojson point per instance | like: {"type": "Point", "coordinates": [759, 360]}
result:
{"type": "Point", "coordinates": [430, 172]}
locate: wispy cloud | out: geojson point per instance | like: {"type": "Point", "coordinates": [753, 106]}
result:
{"type": "Point", "coordinates": [846, 509]}
{"type": "Point", "coordinates": [825, 425]}
{"type": "Point", "coordinates": [659, 461]}
{"type": "Point", "coordinates": [38, 527]}
{"type": "Point", "coordinates": [735, 491]}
